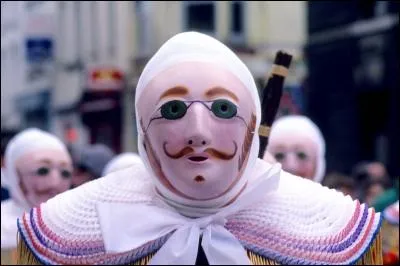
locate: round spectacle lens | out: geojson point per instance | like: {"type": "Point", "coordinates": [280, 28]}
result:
{"type": "Point", "coordinates": [42, 171]}
{"type": "Point", "coordinates": [302, 156]}
{"type": "Point", "coordinates": [173, 110]}
{"type": "Point", "coordinates": [66, 173]}
{"type": "Point", "coordinates": [279, 156]}
{"type": "Point", "coordinates": [224, 109]}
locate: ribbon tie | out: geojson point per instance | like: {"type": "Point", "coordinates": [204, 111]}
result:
{"type": "Point", "coordinates": [128, 226]}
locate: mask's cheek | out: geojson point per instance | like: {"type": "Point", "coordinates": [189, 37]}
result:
{"type": "Point", "coordinates": [27, 186]}
{"type": "Point", "coordinates": [169, 132]}
{"type": "Point", "coordinates": [313, 167]}
{"type": "Point", "coordinates": [226, 132]}
{"type": "Point", "coordinates": [306, 169]}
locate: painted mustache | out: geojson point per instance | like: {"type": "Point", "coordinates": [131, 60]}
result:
{"type": "Point", "coordinates": [211, 151]}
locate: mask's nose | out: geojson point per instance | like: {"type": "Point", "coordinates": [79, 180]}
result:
{"type": "Point", "coordinates": [197, 133]}
{"type": "Point", "coordinates": [291, 163]}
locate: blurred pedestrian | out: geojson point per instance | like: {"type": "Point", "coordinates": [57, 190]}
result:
{"type": "Point", "coordinates": [373, 190]}
{"type": "Point", "coordinates": [37, 167]}
{"type": "Point", "coordinates": [374, 171]}
{"type": "Point", "coordinates": [297, 143]}
{"type": "Point", "coordinates": [122, 161]}
{"type": "Point", "coordinates": [373, 182]}
{"type": "Point", "coordinates": [89, 163]}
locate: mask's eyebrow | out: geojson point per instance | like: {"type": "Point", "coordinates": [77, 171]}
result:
{"type": "Point", "coordinates": [175, 91]}
{"type": "Point", "coordinates": [215, 91]}
{"type": "Point", "coordinates": [45, 161]}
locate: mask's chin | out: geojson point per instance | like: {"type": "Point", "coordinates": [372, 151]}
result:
{"type": "Point", "coordinates": [200, 185]}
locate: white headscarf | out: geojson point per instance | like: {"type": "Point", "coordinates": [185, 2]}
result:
{"type": "Point", "coordinates": [298, 125]}
{"type": "Point", "coordinates": [197, 47]}
{"type": "Point", "coordinates": [208, 217]}
{"type": "Point", "coordinates": [122, 161]}
{"type": "Point", "coordinates": [29, 140]}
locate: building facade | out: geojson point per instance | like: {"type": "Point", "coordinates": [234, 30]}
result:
{"type": "Point", "coordinates": [94, 41]}
{"type": "Point", "coordinates": [81, 86]}
{"type": "Point", "coordinates": [13, 63]}
{"type": "Point", "coordinates": [354, 83]}
{"type": "Point", "coordinates": [255, 30]}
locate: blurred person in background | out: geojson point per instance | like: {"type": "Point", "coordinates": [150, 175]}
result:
{"type": "Point", "coordinates": [38, 167]}
{"type": "Point", "coordinates": [89, 163]}
{"type": "Point", "coordinates": [122, 161]}
{"type": "Point", "coordinates": [297, 143]}
{"type": "Point", "coordinates": [374, 171]}
{"type": "Point", "coordinates": [373, 189]}
{"type": "Point", "coordinates": [340, 182]}
{"type": "Point", "coordinates": [374, 181]}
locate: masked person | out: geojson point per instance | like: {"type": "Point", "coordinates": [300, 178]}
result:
{"type": "Point", "coordinates": [201, 195]}
{"type": "Point", "coordinates": [297, 143]}
{"type": "Point", "coordinates": [37, 167]}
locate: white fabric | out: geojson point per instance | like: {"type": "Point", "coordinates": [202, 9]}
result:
{"type": "Point", "coordinates": [298, 207]}
{"type": "Point", "coordinates": [10, 212]}
{"type": "Point", "coordinates": [29, 140]}
{"type": "Point", "coordinates": [297, 125]}
{"type": "Point", "coordinates": [197, 47]}
{"type": "Point", "coordinates": [123, 231]}
{"type": "Point", "coordinates": [121, 161]}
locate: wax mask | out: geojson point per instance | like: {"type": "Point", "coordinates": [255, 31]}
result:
{"type": "Point", "coordinates": [44, 174]}
{"type": "Point", "coordinates": [297, 154]}
{"type": "Point", "coordinates": [198, 121]}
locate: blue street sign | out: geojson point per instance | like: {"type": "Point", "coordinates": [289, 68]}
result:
{"type": "Point", "coordinates": [39, 49]}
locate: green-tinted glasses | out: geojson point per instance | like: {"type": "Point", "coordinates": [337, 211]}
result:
{"type": "Point", "coordinates": [177, 109]}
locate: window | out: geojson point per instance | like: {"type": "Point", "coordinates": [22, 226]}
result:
{"type": "Point", "coordinates": [237, 18]}
{"type": "Point", "coordinates": [200, 16]}
{"type": "Point", "coordinates": [381, 8]}
{"type": "Point", "coordinates": [29, 5]}
{"type": "Point", "coordinates": [237, 21]}
{"type": "Point", "coordinates": [143, 28]}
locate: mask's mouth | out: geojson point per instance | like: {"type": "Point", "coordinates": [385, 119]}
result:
{"type": "Point", "coordinates": [197, 158]}
{"type": "Point", "coordinates": [199, 179]}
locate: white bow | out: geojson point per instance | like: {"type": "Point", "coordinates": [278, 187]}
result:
{"type": "Point", "coordinates": [128, 226]}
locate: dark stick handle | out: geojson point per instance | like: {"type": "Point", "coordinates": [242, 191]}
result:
{"type": "Point", "coordinates": [271, 96]}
